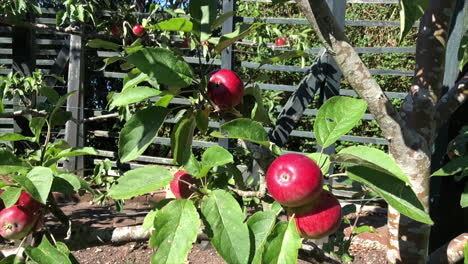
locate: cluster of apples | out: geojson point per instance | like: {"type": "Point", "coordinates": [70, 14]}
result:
{"type": "Point", "coordinates": [18, 220]}
{"type": "Point", "coordinates": [296, 182]}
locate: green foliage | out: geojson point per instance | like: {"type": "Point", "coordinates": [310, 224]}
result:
{"type": "Point", "coordinates": [284, 244]}
{"type": "Point", "coordinates": [243, 128]}
{"type": "Point", "coordinates": [261, 224]}
{"type": "Point", "coordinates": [140, 181]}
{"type": "Point", "coordinates": [140, 131]}
{"type": "Point", "coordinates": [47, 253]}
{"type": "Point", "coordinates": [176, 228]}
{"type": "Point", "coordinates": [336, 117]}
{"type": "Point", "coordinates": [225, 219]}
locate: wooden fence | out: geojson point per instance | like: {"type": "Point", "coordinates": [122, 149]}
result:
{"type": "Point", "coordinates": [58, 53]}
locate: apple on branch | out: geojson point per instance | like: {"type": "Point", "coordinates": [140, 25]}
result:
{"type": "Point", "coordinates": [294, 180]}
{"type": "Point", "coordinates": [138, 30]}
{"type": "Point", "coordinates": [225, 89]}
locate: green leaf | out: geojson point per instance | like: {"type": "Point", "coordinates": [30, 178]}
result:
{"type": "Point", "coordinates": [38, 183]}
{"type": "Point", "coordinates": [212, 157]}
{"type": "Point", "coordinates": [109, 61]}
{"type": "Point", "coordinates": [174, 24]}
{"type": "Point", "coordinates": [231, 38]}
{"type": "Point", "coordinates": [322, 160]}
{"type": "Point", "coordinates": [284, 244]}
{"type": "Point", "coordinates": [148, 222]}
{"type": "Point", "coordinates": [337, 117]}
{"type": "Point", "coordinates": [69, 152]}
{"type": "Point", "coordinates": [133, 79]}
{"type": "Point", "coordinates": [364, 229]}
{"type": "Point", "coordinates": [140, 131]}
{"type": "Point", "coordinates": [370, 157]}
{"type": "Point", "coordinates": [259, 112]}
{"type": "Point", "coordinates": [230, 235]}
{"type": "Point", "coordinates": [464, 197]}
{"type": "Point", "coordinates": [50, 93]}
{"type": "Point", "coordinates": [395, 192]}
{"type": "Point", "coordinates": [10, 196]}
{"type": "Point", "coordinates": [243, 128]}
{"type": "Point", "coordinates": [133, 95]}
{"type": "Point", "coordinates": [66, 183]}
{"type": "Point", "coordinates": [140, 181]}
{"type": "Point", "coordinates": [175, 230]}
{"type": "Point", "coordinates": [221, 19]}
{"type": "Point", "coordinates": [9, 163]}
{"type": "Point", "coordinates": [181, 139]}
{"type": "Point", "coordinates": [56, 116]}
{"type": "Point", "coordinates": [14, 137]}
{"type": "Point", "coordinates": [202, 119]}
{"type": "Point", "coordinates": [410, 12]}
{"type": "Point", "coordinates": [276, 208]}
{"type": "Point", "coordinates": [46, 253]}
{"type": "Point", "coordinates": [165, 100]}
{"type": "Point", "coordinates": [163, 65]}
{"type": "Point", "coordinates": [261, 224]}
{"type": "Point", "coordinates": [193, 166]}
{"type": "Point", "coordinates": [36, 124]}
{"type": "Point", "coordinates": [452, 167]}
{"type": "Point", "coordinates": [102, 44]}
{"type": "Point", "coordinates": [203, 13]}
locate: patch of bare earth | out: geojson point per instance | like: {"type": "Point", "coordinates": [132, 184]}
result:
{"type": "Point", "coordinates": [366, 247]}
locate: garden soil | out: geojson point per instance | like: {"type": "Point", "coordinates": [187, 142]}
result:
{"type": "Point", "coordinates": [366, 247]}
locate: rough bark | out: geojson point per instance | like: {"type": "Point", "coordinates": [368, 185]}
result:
{"type": "Point", "coordinates": [452, 252]}
{"type": "Point", "coordinates": [450, 101]}
{"type": "Point", "coordinates": [410, 134]}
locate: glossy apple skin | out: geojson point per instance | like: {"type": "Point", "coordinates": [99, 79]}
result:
{"type": "Point", "coordinates": [318, 219]}
{"type": "Point", "coordinates": [16, 222]}
{"type": "Point", "coordinates": [280, 42]}
{"type": "Point", "coordinates": [294, 180]}
{"type": "Point", "coordinates": [25, 200]}
{"type": "Point", "coordinates": [225, 89]}
{"type": "Point", "coordinates": [181, 190]}
{"type": "Point", "coordinates": [138, 30]}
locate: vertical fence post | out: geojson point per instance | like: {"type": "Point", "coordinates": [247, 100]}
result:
{"type": "Point", "coordinates": [332, 83]}
{"type": "Point", "coordinates": [74, 133]}
{"type": "Point", "coordinates": [227, 56]}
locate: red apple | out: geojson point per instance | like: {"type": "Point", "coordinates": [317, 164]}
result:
{"type": "Point", "coordinates": [181, 189]}
{"type": "Point", "coordinates": [294, 180]}
{"type": "Point", "coordinates": [116, 31]}
{"type": "Point", "coordinates": [280, 42]}
{"type": "Point", "coordinates": [225, 89]}
{"type": "Point", "coordinates": [16, 222]}
{"type": "Point", "coordinates": [138, 31]}
{"type": "Point", "coordinates": [26, 201]}
{"type": "Point", "coordinates": [186, 43]}
{"type": "Point", "coordinates": [318, 219]}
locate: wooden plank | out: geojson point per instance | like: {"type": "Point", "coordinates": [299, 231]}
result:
{"type": "Point", "coordinates": [303, 21]}
{"type": "Point", "coordinates": [75, 133]}
{"type": "Point", "coordinates": [331, 86]}
{"type": "Point", "coordinates": [227, 55]}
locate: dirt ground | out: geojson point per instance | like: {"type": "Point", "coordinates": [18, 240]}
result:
{"type": "Point", "coordinates": [366, 247]}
